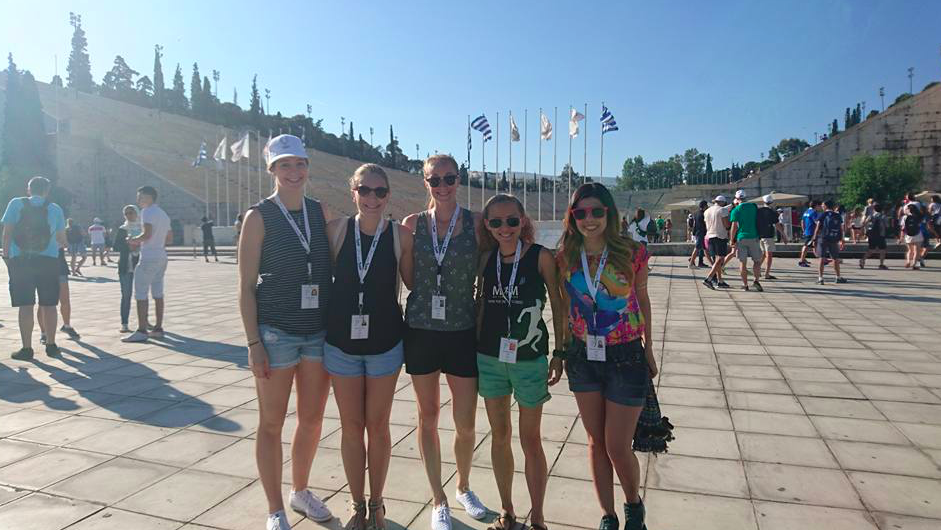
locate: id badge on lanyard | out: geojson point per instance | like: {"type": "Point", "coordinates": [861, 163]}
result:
{"type": "Point", "coordinates": [595, 344]}
{"type": "Point", "coordinates": [508, 349]}
{"type": "Point", "coordinates": [359, 323]}
{"type": "Point", "coordinates": [438, 300]}
{"type": "Point", "coordinates": [508, 345]}
{"type": "Point", "coordinates": [310, 296]}
{"type": "Point", "coordinates": [310, 292]}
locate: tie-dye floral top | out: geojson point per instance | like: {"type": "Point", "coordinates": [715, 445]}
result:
{"type": "Point", "coordinates": [619, 317]}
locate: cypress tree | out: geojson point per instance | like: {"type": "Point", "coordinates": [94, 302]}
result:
{"type": "Point", "coordinates": [177, 101]}
{"type": "Point", "coordinates": [79, 67]}
{"type": "Point", "coordinates": [160, 97]}
{"type": "Point", "coordinates": [196, 93]}
{"type": "Point", "coordinates": [255, 107]}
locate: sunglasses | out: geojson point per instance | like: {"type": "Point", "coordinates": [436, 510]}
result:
{"type": "Point", "coordinates": [364, 191]}
{"type": "Point", "coordinates": [512, 222]}
{"type": "Point", "coordinates": [597, 212]}
{"type": "Point", "coordinates": [434, 182]}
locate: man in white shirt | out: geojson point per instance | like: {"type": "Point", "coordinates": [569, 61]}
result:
{"type": "Point", "coordinates": [717, 238]}
{"type": "Point", "coordinates": [150, 270]}
{"type": "Point", "coordinates": [638, 228]}
{"type": "Point", "coordinates": [96, 232]}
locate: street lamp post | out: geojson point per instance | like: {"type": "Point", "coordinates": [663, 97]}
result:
{"type": "Point", "coordinates": [911, 74]}
{"type": "Point", "coordinates": [267, 102]}
{"type": "Point", "coordinates": [882, 97]}
{"type": "Point", "coordinates": [370, 137]}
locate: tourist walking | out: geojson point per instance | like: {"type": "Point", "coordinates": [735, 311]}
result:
{"type": "Point", "coordinates": [610, 359]}
{"type": "Point", "coordinates": [934, 216]}
{"type": "Point", "coordinates": [96, 234]}
{"type": "Point", "coordinates": [440, 337]}
{"type": "Point", "coordinates": [808, 227]}
{"type": "Point", "coordinates": [875, 226]}
{"type": "Point", "coordinates": [911, 234]}
{"type": "Point", "coordinates": [65, 303]}
{"type": "Point", "coordinates": [76, 245]}
{"type": "Point", "coordinates": [698, 231]}
{"type": "Point", "coordinates": [828, 237]}
{"type": "Point", "coordinates": [363, 352]}
{"type": "Point", "coordinates": [744, 236]}
{"type": "Point", "coordinates": [127, 260]}
{"type": "Point", "coordinates": [769, 226]}
{"type": "Point", "coordinates": [33, 232]}
{"type": "Point", "coordinates": [209, 240]}
{"type": "Point", "coordinates": [284, 290]}
{"type": "Point", "coordinates": [513, 345]}
{"type": "Point", "coordinates": [717, 238]}
{"type": "Point", "coordinates": [152, 265]}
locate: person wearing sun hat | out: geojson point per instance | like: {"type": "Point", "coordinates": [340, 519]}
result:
{"type": "Point", "coordinates": [744, 237]}
{"type": "Point", "coordinates": [285, 275]}
{"type": "Point", "coordinates": [717, 239]}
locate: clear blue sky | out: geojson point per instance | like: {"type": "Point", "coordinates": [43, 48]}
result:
{"type": "Point", "coordinates": [727, 77]}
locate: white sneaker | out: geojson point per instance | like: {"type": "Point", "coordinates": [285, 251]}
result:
{"type": "Point", "coordinates": [307, 503]}
{"type": "Point", "coordinates": [471, 504]}
{"type": "Point", "coordinates": [137, 336]}
{"type": "Point", "coordinates": [277, 521]}
{"type": "Point", "coordinates": [441, 517]}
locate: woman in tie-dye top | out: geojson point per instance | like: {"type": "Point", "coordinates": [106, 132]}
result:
{"type": "Point", "coordinates": [609, 360]}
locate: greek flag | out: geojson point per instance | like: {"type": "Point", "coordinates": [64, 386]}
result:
{"type": "Point", "coordinates": [480, 124]}
{"type": "Point", "coordinates": [468, 140]}
{"type": "Point", "coordinates": [201, 156]}
{"type": "Point", "coordinates": [607, 121]}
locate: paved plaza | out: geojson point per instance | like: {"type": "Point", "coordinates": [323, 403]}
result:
{"type": "Point", "coordinates": [803, 407]}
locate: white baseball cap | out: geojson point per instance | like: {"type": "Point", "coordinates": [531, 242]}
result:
{"type": "Point", "coordinates": [96, 220]}
{"type": "Point", "coordinates": [720, 198]}
{"type": "Point", "coordinates": [768, 198]}
{"type": "Point", "coordinates": [740, 194]}
{"type": "Point", "coordinates": [283, 146]}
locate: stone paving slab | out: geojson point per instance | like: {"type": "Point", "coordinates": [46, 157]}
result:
{"type": "Point", "coordinates": [800, 407]}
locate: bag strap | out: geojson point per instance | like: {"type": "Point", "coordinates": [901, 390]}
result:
{"type": "Point", "coordinates": [397, 250]}
{"type": "Point", "coordinates": [339, 237]}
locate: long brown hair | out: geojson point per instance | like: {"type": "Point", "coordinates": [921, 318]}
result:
{"type": "Point", "coordinates": [620, 249]}
{"type": "Point", "coordinates": [487, 242]}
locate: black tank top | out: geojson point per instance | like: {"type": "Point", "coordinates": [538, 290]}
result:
{"type": "Point", "coordinates": [379, 300]}
{"type": "Point", "coordinates": [529, 299]}
{"type": "Point", "coordinates": [283, 269]}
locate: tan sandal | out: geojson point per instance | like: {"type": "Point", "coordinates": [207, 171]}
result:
{"type": "Point", "coordinates": [504, 521]}
{"type": "Point", "coordinates": [375, 506]}
{"type": "Point", "coordinates": [357, 520]}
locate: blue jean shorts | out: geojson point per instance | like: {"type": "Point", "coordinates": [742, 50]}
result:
{"type": "Point", "coordinates": [339, 363]}
{"type": "Point", "coordinates": [287, 349]}
{"type": "Point", "coordinates": [622, 378]}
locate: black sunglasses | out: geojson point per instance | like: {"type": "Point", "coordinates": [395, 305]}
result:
{"type": "Point", "coordinates": [512, 222]}
{"type": "Point", "coordinates": [597, 212]}
{"type": "Point", "coordinates": [364, 191]}
{"type": "Point", "coordinates": [434, 182]}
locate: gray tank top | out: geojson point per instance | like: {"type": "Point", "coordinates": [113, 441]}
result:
{"type": "Point", "coordinates": [458, 273]}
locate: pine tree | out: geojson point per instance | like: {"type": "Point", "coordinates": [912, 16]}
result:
{"type": "Point", "coordinates": [119, 81]}
{"type": "Point", "coordinates": [709, 170]}
{"type": "Point", "coordinates": [79, 67]}
{"type": "Point", "coordinates": [176, 99]}
{"type": "Point", "coordinates": [255, 107]}
{"type": "Point", "coordinates": [56, 81]}
{"type": "Point", "coordinates": [235, 96]}
{"type": "Point", "coordinates": [834, 128]}
{"type": "Point", "coordinates": [160, 97]}
{"type": "Point", "coordinates": [848, 120]}
{"type": "Point", "coordinates": [351, 136]}
{"type": "Point", "coordinates": [196, 93]}
{"type": "Point", "coordinates": [209, 101]}
{"type": "Point", "coordinates": [145, 90]}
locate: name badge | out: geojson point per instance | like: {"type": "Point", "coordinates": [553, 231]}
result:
{"type": "Point", "coordinates": [595, 345]}
{"type": "Point", "coordinates": [437, 307]}
{"type": "Point", "coordinates": [310, 296]}
{"type": "Point", "coordinates": [359, 327]}
{"type": "Point", "coordinates": [508, 350]}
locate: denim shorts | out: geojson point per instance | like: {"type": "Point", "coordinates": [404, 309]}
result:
{"type": "Point", "coordinates": [339, 363]}
{"type": "Point", "coordinates": [287, 349]}
{"type": "Point", "coordinates": [622, 378]}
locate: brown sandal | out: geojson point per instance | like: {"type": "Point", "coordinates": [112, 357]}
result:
{"type": "Point", "coordinates": [504, 521]}
{"type": "Point", "coordinates": [375, 506]}
{"type": "Point", "coordinates": [357, 520]}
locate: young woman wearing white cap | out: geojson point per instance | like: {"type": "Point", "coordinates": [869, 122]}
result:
{"type": "Point", "coordinates": [364, 351]}
{"type": "Point", "coordinates": [441, 337]}
{"type": "Point", "coordinates": [284, 243]}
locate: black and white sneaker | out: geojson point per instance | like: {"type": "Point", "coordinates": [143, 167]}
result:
{"type": "Point", "coordinates": [758, 287]}
{"type": "Point", "coordinates": [708, 283]}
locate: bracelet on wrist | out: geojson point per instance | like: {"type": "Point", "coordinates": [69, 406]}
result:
{"type": "Point", "coordinates": [253, 342]}
{"type": "Point", "coordinates": [559, 354]}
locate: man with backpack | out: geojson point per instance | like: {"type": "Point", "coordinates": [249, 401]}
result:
{"type": "Point", "coordinates": [875, 226]}
{"type": "Point", "coordinates": [769, 224]}
{"type": "Point", "coordinates": [698, 231]}
{"type": "Point", "coordinates": [828, 236]}
{"type": "Point", "coordinates": [33, 232]}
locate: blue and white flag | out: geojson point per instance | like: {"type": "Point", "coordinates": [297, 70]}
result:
{"type": "Point", "coordinates": [201, 156]}
{"type": "Point", "coordinates": [481, 124]}
{"type": "Point", "coordinates": [469, 144]}
{"type": "Point", "coordinates": [607, 121]}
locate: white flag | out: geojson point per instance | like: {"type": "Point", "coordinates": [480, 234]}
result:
{"type": "Point", "coordinates": [514, 130]}
{"type": "Point", "coordinates": [240, 149]}
{"type": "Point", "coordinates": [573, 122]}
{"type": "Point", "coordinates": [220, 151]}
{"type": "Point", "coordinates": [545, 130]}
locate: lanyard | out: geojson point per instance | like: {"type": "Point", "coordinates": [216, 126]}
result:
{"type": "Point", "coordinates": [507, 293]}
{"type": "Point", "coordinates": [305, 242]}
{"type": "Point", "coordinates": [363, 268]}
{"type": "Point", "coordinates": [443, 249]}
{"type": "Point", "coordinates": [593, 285]}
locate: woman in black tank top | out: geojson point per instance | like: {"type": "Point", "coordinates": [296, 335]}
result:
{"type": "Point", "coordinates": [364, 352]}
{"type": "Point", "coordinates": [284, 244]}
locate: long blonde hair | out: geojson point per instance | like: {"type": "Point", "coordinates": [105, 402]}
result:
{"type": "Point", "coordinates": [430, 164]}
{"type": "Point", "coordinates": [487, 242]}
{"type": "Point", "coordinates": [620, 249]}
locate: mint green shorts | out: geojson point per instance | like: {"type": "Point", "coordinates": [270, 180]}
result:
{"type": "Point", "coordinates": [528, 381]}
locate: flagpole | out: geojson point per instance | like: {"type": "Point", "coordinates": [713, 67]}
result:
{"type": "Point", "coordinates": [260, 164]}
{"type": "Point", "coordinates": [601, 160]}
{"type": "Point", "coordinates": [497, 165]}
{"type": "Point", "coordinates": [539, 185]}
{"type": "Point", "coordinates": [555, 165]}
{"type": "Point", "coordinates": [228, 201]}
{"type": "Point", "coordinates": [483, 169]}
{"type": "Point", "coordinates": [569, 176]}
{"type": "Point", "coordinates": [510, 170]}
{"type": "Point", "coordinates": [525, 146]}
{"type": "Point", "coordinates": [206, 182]}
{"type": "Point", "coordinates": [468, 164]}
{"type": "Point", "coordinates": [585, 169]}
